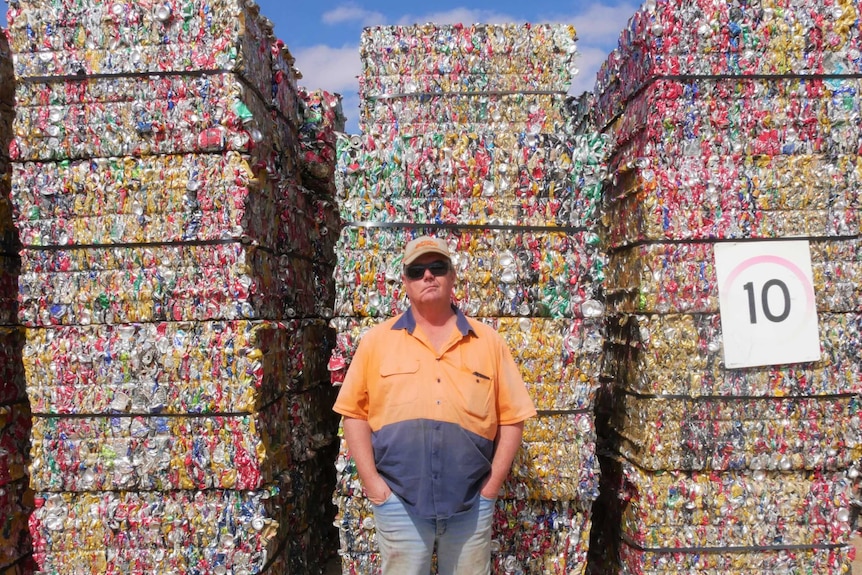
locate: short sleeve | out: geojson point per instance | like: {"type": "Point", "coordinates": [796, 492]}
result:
{"type": "Point", "coordinates": [352, 400]}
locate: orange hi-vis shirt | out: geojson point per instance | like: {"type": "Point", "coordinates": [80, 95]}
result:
{"type": "Point", "coordinates": [434, 415]}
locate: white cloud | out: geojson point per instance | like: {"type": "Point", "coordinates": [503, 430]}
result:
{"type": "Point", "coordinates": [350, 12]}
{"type": "Point", "coordinates": [328, 68]}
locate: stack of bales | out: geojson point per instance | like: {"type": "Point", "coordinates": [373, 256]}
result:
{"type": "Point", "coordinates": [14, 409]}
{"type": "Point", "coordinates": [467, 135]}
{"type": "Point", "coordinates": [320, 123]}
{"type": "Point", "coordinates": [729, 122]}
{"type": "Point", "coordinates": [173, 347]}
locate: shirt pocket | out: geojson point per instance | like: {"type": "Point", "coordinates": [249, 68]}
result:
{"type": "Point", "coordinates": [399, 381]}
{"type": "Point", "coordinates": [474, 390]}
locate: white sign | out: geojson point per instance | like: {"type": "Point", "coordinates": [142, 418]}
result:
{"type": "Point", "coordinates": [766, 296]}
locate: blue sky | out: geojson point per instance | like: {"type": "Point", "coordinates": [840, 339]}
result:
{"type": "Point", "coordinates": [323, 35]}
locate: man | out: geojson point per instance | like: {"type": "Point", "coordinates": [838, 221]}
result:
{"type": "Point", "coordinates": [434, 409]}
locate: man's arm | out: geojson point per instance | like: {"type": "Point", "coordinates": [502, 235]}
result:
{"type": "Point", "coordinates": [357, 433]}
{"type": "Point", "coordinates": [508, 442]}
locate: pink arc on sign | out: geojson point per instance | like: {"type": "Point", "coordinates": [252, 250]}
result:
{"type": "Point", "coordinates": [771, 259]}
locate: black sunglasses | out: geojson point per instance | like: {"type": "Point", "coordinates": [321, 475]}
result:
{"type": "Point", "coordinates": [437, 268]}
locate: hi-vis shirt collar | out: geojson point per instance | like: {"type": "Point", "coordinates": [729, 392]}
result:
{"type": "Point", "coordinates": [408, 322]}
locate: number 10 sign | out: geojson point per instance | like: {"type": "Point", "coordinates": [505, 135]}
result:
{"type": "Point", "coordinates": [766, 297]}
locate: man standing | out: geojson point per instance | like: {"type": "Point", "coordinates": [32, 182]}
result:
{"type": "Point", "coordinates": [434, 409]}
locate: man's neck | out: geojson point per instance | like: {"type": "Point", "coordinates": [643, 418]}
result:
{"type": "Point", "coordinates": [437, 325]}
{"type": "Point", "coordinates": [433, 316]}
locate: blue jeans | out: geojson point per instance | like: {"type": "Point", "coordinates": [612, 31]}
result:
{"type": "Point", "coordinates": [406, 542]}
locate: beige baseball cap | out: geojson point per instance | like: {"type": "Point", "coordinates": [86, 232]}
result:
{"type": "Point", "coordinates": [424, 245]}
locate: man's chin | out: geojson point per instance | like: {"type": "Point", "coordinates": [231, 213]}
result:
{"type": "Point", "coordinates": [430, 295]}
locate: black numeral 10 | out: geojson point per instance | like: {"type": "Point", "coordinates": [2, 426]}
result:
{"type": "Point", "coordinates": [764, 301]}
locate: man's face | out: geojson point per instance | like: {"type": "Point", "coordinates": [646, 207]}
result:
{"type": "Point", "coordinates": [428, 288]}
